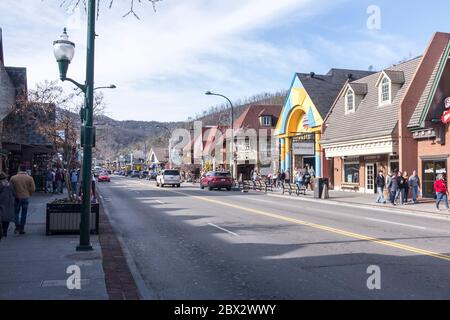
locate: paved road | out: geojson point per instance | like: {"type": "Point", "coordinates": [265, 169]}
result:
{"type": "Point", "coordinates": [189, 243]}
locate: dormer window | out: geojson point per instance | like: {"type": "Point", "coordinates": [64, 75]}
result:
{"type": "Point", "coordinates": [266, 121]}
{"type": "Point", "coordinates": [350, 101]}
{"type": "Point", "coordinates": [385, 91]}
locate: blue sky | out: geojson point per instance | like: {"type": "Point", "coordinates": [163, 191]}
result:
{"type": "Point", "coordinates": [164, 62]}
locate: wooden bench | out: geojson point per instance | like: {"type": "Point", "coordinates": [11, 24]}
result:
{"type": "Point", "coordinates": [301, 189]}
{"type": "Point", "coordinates": [268, 186]}
{"type": "Point", "coordinates": [350, 186]}
{"type": "Point", "coordinates": [244, 186]}
{"type": "Point", "coordinates": [287, 187]}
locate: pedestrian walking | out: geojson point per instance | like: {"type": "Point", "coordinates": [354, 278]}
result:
{"type": "Point", "coordinates": [287, 177]}
{"type": "Point", "coordinates": [392, 185]}
{"type": "Point", "coordinates": [405, 188]}
{"type": "Point", "coordinates": [282, 177]}
{"type": "Point", "coordinates": [380, 183]}
{"type": "Point", "coordinates": [54, 181]}
{"type": "Point", "coordinates": [74, 181]}
{"type": "Point", "coordinates": [24, 188]}
{"type": "Point", "coordinates": [399, 178]}
{"type": "Point", "coordinates": [275, 177]}
{"type": "Point", "coordinates": [93, 191]}
{"type": "Point", "coordinates": [414, 185]}
{"type": "Point", "coordinates": [59, 177]}
{"type": "Point", "coordinates": [307, 180]}
{"type": "Point", "coordinates": [440, 187]}
{"type": "Point", "coordinates": [7, 205]}
{"type": "Point", "coordinates": [49, 181]}
{"type": "Point", "coordinates": [312, 172]}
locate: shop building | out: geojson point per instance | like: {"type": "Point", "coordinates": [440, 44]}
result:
{"type": "Point", "coordinates": [361, 130]}
{"type": "Point", "coordinates": [299, 128]}
{"type": "Point", "coordinates": [255, 148]}
{"type": "Point", "coordinates": [428, 148]}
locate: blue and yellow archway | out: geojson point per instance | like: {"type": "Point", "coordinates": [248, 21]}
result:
{"type": "Point", "coordinates": [298, 117]}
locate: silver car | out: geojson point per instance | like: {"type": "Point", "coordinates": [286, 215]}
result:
{"type": "Point", "coordinates": [168, 177]}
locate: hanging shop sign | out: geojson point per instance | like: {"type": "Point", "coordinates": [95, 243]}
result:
{"type": "Point", "coordinates": [446, 116]}
{"type": "Point", "coordinates": [303, 148]}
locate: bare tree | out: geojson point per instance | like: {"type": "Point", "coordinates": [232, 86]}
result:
{"type": "Point", "coordinates": [76, 3]}
{"type": "Point", "coordinates": [56, 115]}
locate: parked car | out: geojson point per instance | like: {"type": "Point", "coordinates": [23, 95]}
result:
{"type": "Point", "coordinates": [143, 175]}
{"type": "Point", "coordinates": [135, 174]}
{"type": "Point", "coordinates": [104, 177]}
{"type": "Point", "coordinates": [169, 177]}
{"type": "Point", "coordinates": [152, 175]}
{"type": "Point", "coordinates": [216, 180]}
{"type": "Point", "coordinates": [128, 173]}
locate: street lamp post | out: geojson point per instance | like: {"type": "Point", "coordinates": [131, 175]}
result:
{"type": "Point", "coordinates": [64, 51]}
{"type": "Point", "coordinates": [209, 93]}
{"type": "Point", "coordinates": [170, 143]}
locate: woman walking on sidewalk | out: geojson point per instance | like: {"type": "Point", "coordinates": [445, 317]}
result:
{"type": "Point", "coordinates": [7, 205]}
{"type": "Point", "coordinates": [405, 188]}
{"type": "Point", "coordinates": [380, 183]}
{"type": "Point", "coordinates": [441, 192]}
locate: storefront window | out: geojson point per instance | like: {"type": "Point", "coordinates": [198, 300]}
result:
{"type": "Point", "coordinates": [351, 172]}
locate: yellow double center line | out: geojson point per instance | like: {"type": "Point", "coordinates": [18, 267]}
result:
{"type": "Point", "coordinates": [321, 227]}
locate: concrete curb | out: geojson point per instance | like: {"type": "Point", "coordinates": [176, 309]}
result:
{"type": "Point", "coordinates": [424, 213]}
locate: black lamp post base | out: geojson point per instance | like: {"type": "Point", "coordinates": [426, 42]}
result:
{"type": "Point", "coordinates": [85, 248]}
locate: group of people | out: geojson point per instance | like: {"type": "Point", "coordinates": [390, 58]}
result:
{"type": "Point", "coordinates": [276, 179]}
{"type": "Point", "coordinates": [304, 177]}
{"type": "Point", "coordinates": [14, 201]}
{"type": "Point", "coordinates": [398, 185]}
{"type": "Point", "coordinates": [54, 181]}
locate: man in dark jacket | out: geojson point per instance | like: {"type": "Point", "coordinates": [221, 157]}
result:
{"type": "Point", "coordinates": [7, 205]}
{"type": "Point", "coordinates": [380, 183]}
{"type": "Point", "coordinates": [392, 186]}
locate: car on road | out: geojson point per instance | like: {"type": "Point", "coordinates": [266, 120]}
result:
{"type": "Point", "coordinates": [216, 180]}
{"type": "Point", "coordinates": [169, 177]}
{"type": "Point", "coordinates": [104, 177]}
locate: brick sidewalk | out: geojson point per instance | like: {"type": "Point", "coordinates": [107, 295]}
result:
{"type": "Point", "coordinates": [120, 284]}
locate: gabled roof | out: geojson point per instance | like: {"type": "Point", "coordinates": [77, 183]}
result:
{"type": "Point", "coordinates": [161, 154]}
{"type": "Point", "coordinates": [323, 89]}
{"type": "Point", "coordinates": [359, 88]}
{"type": "Point", "coordinates": [397, 77]}
{"type": "Point", "coordinates": [250, 117]}
{"type": "Point", "coordinates": [369, 119]}
{"type": "Point", "coordinates": [417, 120]}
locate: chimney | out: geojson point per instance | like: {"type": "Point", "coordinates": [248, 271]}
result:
{"type": "Point", "coordinates": [1, 48]}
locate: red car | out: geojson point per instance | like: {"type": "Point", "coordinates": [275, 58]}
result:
{"type": "Point", "coordinates": [216, 180]}
{"type": "Point", "coordinates": [104, 177]}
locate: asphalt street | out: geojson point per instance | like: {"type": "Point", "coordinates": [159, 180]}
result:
{"type": "Point", "coordinates": [189, 243]}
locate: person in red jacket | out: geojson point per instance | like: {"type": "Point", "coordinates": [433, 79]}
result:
{"type": "Point", "coordinates": [441, 192]}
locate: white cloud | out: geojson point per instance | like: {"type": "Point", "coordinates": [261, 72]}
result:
{"type": "Point", "coordinates": [163, 63]}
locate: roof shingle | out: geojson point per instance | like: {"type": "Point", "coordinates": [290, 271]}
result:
{"type": "Point", "coordinates": [370, 119]}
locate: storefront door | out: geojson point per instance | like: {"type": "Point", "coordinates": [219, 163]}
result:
{"type": "Point", "coordinates": [370, 178]}
{"type": "Point", "coordinates": [431, 169]}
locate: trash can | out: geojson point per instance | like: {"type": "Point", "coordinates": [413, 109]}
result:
{"type": "Point", "coordinates": [319, 183]}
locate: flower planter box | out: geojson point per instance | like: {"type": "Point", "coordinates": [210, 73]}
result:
{"type": "Point", "coordinates": [64, 218]}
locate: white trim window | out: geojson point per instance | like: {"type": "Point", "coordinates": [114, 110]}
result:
{"type": "Point", "coordinates": [350, 101]}
{"type": "Point", "coordinates": [266, 121]}
{"type": "Point", "coordinates": [385, 91]}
